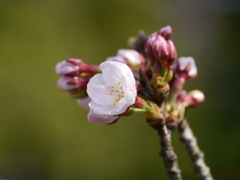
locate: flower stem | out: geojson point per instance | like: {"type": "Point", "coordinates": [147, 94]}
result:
{"type": "Point", "coordinates": [196, 155]}
{"type": "Point", "coordinates": [169, 156]}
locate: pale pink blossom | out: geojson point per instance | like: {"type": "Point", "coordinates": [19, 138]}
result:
{"type": "Point", "coordinates": [113, 91]}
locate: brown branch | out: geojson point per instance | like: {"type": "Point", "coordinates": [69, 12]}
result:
{"type": "Point", "coordinates": [169, 156]}
{"type": "Point", "coordinates": [196, 155]}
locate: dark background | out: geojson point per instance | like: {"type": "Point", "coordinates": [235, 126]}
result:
{"type": "Point", "coordinates": [45, 135]}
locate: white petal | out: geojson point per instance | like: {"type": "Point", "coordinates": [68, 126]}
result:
{"type": "Point", "coordinates": [128, 100]}
{"type": "Point", "coordinates": [103, 109]}
{"type": "Point", "coordinates": [114, 72]}
{"type": "Point", "coordinates": [99, 91]}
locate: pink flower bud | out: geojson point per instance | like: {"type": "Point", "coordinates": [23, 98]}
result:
{"type": "Point", "coordinates": [194, 98]}
{"type": "Point", "coordinates": [67, 83]}
{"type": "Point", "coordinates": [84, 102]}
{"type": "Point", "coordinates": [101, 118]}
{"type": "Point", "coordinates": [172, 51]}
{"type": "Point", "coordinates": [69, 67]}
{"type": "Point", "coordinates": [157, 47]}
{"type": "Point", "coordinates": [75, 67]}
{"type": "Point", "coordinates": [166, 32]}
{"type": "Point", "coordinates": [186, 67]}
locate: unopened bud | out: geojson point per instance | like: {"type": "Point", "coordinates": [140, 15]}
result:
{"type": "Point", "coordinates": [166, 32]}
{"type": "Point", "coordinates": [157, 48]}
{"type": "Point", "coordinates": [72, 83]}
{"type": "Point", "coordinates": [172, 51]}
{"type": "Point", "coordinates": [75, 67]}
{"type": "Point", "coordinates": [186, 67]}
{"type": "Point", "coordinates": [69, 67]}
{"type": "Point", "coordinates": [194, 98]}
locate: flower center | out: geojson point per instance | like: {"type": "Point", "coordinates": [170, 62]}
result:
{"type": "Point", "coordinates": [117, 91]}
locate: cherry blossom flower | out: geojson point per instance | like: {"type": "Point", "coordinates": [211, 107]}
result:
{"type": "Point", "coordinates": [113, 91]}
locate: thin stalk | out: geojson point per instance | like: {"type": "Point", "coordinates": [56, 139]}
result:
{"type": "Point", "coordinates": [169, 156]}
{"type": "Point", "coordinates": [196, 155]}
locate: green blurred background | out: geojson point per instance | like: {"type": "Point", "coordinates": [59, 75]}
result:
{"type": "Point", "coordinates": [45, 135]}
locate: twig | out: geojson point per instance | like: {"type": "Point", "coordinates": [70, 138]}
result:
{"type": "Point", "coordinates": [196, 155]}
{"type": "Point", "coordinates": [169, 156]}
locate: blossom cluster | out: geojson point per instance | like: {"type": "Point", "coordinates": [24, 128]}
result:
{"type": "Point", "coordinates": [148, 77]}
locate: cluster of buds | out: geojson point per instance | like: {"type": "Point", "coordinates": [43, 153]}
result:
{"type": "Point", "coordinates": [134, 81]}
{"type": "Point", "coordinates": [75, 76]}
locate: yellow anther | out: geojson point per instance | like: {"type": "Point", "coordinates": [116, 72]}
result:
{"type": "Point", "coordinates": [110, 93]}
{"type": "Point", "coordinates": [112, 86]}
{"type": "Point", "coordinates": [114, 104]}
{"type": "Point", "coordinates": [119, 95]}
{"type": "Point", "coordinates": [122, 96]}
{"type": "Point", "coordinates": [119, 82]}
{"type": "Point", "coordinates": [120, 87]}
{"type": "Point", "coordinates": [116, 90]}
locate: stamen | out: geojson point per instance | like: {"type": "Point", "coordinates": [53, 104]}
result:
{"type": "Point", "coordinates": [110, 93]}
{"type": "Point", "coordinates": [119, 82]}
{"type": "Point", "coordinates": [112, 86]}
